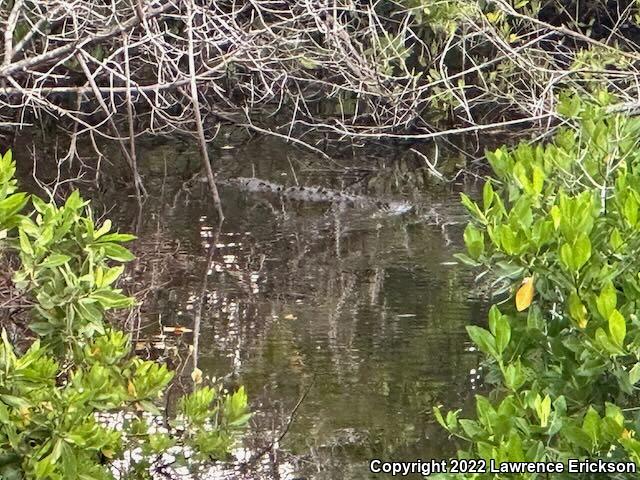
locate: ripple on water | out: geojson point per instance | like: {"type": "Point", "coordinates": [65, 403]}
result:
{"type": "Point", "coordinates": [370, 308]}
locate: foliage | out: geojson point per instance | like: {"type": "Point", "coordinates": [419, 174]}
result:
{"type": "Point", "coordinates": [565, 364]}
{"type": "Point", "coordinates": [513, 53]}
{"type": "Point", "coordinates": [79, 367]}
{"type": "Point", "coordinates": [444, 16]}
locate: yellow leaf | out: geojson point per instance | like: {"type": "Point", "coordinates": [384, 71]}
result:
{"type": "Point", "coordinates": [196, 376]}
{"type": "Point", "coordinates": [493, 17]}
{"type": "Point", "coordinates": [627, 434]}
{"type": "Point", "coordinates": [525, 293]}
{"type": "Point", "coordinates": [132, 389]}
{"type": "Point", "coordinates": [25, 414]}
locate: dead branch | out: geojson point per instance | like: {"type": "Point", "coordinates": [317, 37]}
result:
{"type": "Point", "coordinates": [311, 72]}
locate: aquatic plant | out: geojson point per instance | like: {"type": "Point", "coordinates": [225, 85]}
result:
{"type": "Point", "coordinates": [558, 225]}
{"type": "Point", "coordinates": [78, 401]}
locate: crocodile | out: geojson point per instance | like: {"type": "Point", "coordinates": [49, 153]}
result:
{"type": "Point", "coordinates": [316, 194]}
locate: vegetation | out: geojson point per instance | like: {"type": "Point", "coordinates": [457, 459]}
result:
{"type": "Point", "coordinates": [76, 401]}
{"type": "Point", "coordinates": [556, 228]}
{"type": "Point", "coordinates": [336, 72]}
{"type": "Point", "coordinates": [560, 224]}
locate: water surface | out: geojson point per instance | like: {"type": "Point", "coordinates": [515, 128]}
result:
{"type": "Point", "coordinates": [361, 310]}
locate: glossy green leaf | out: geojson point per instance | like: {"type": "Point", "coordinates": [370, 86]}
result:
{"type": "Point", "coordinates": [617, 328]}
{"type": "Point", "coordinates": [483, 339]}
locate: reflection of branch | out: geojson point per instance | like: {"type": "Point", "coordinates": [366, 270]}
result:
{"type": "Point", "coordinates": [198, 313]}
{"type": "Point", "coordinates": [284, 431]}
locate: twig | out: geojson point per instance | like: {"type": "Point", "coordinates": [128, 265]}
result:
{"type": "Point", "coordinates": [284, 431]}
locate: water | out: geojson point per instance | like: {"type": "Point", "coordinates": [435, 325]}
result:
{"type": "Point", "coordinates": [359, 311]}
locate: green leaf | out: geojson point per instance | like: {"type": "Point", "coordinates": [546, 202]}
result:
{"type": "Point", "coordinates": [543, 409]}
{"type": "Point", "coordinates": [487, 195]}
{"type": "Point", "coordinates": [494, 317]}
{"type": "Point", "coordinates": [591, 425]}
{"type": "Point", "coordinates": [111, 275]}
{"type": "Point", "coordinates": [89, 311]}
{"type": "Point", "coordinates": [502, 333]}
{"type": "Point", "coordinates": [538, 180]}
{"type": "Point", "coordinates": [631, 210]}
{"type": "Point", "coordinates": [104, 229]}
{"type": "Point", "coordinates": [150, 407]}
{"type": "Point", "coordinates": [473, 208]}
{"type": "Point", "coordinates": [614, 412]}
{"type": "Point", "coordinates": [514, 376]}
{"type": "Point", "coordinates": [556, 216]}
{"type": "Point", "coordinates": [474, 240]}
{"type": "Point", "coordinates": [566, 257]}
{"type": "Point", "coordinates": [603, 341]}
{"type": "Point", "coordinates": [14, 401]}
{"type": "Point", "coordinates": [74, 202]}
{"type": "Point", "coordinates": [569, 107]}
{"type": "Point", "coordinates": [471, 428]}
{"type": "Point", "coordinates": [634, 374]}
{"type": "Point", "coordinates": [109, 298]}
{"type": "Point", "coordinates": [577, 310]}
{"type": "Point", "coordinates": [116, 237]}
{"type": "Point", "coordinates": [44, 468]}
{"type": "Point", "coordinates": [12, 205]}
{"type": "Point", "coordinates": [466, 260]}
{"type": "Point", "coordinates": [514, 447]}
{"type": "Point", "coordinates": [581, 251]}
{"type": "Point", "coordinates": [25, 244]}
{"type": "Point", "coordinates": [117, 252]}
{"type": "Point", "coordinates": [617, 328]}
{"type": "Point", "coordinates": [241, 420]}
{"type": "Point", "coordinates": [577, 436]}
{"type": "Point", "coordinates": [606, 302]}
{"type": "Point", "coordinates": [615, 239]}
{"type": "Point", "coordinates": [55, 260]}
{"type": "Point", "coordinates": [438, 414]}
{"type": "Point", "coordinates": [485, 412]}
{"type": "Point", "coordinates": [483, 339]}
{"type": "Point", "coordinates": [632, 446]}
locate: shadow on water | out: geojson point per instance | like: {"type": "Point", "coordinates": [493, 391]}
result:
{"type": "Point", "coordinates": [366, 307]}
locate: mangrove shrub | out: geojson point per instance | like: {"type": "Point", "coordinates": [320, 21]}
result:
{"type": "Point", "coordinates": [78, 401]}
{"type": "Point", "coordinates": [559, 225]}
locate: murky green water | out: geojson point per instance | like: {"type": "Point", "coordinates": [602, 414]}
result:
{"type": "Point", "coordinates": [363, 310]}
